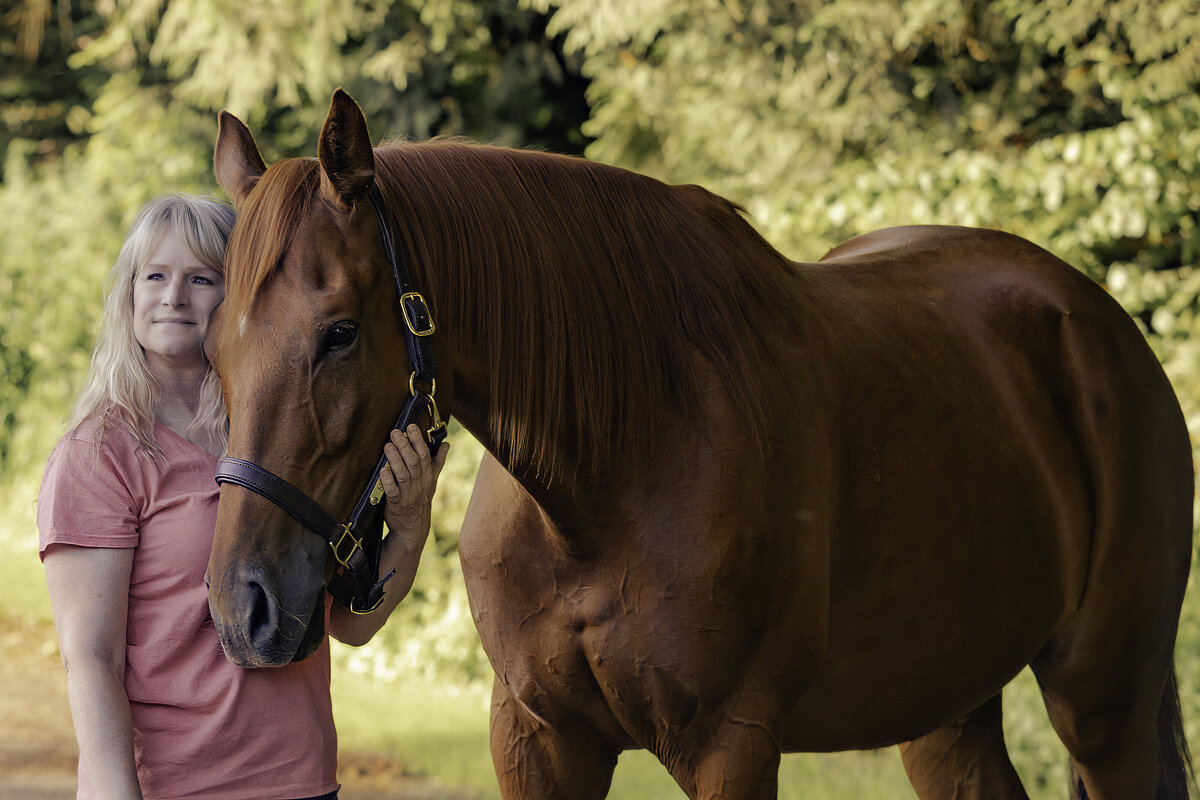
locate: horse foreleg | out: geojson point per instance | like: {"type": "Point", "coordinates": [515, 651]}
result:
{"type": "Point", "coordinates": [535, 760]}
{"type": "Point", "coordinates": [966, 760]}
{"type": "Point", "coordinates": [740, 763]}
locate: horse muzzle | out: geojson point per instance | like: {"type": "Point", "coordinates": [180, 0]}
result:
{"type": "Point", "coordinates": [260, 628]}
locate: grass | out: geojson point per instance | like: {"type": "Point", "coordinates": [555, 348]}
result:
{"type": "Point", "coordinates": [441, 731]}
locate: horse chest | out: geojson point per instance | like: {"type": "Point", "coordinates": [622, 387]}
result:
{"type": "Point", "coordinates": [613, 638]}
{"type": "Point", "coordinates": [639, 639]}
{"type": "Point", "coordinates": [651, 631]}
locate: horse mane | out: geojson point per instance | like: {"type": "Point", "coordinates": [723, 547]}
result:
{"type": "Point", "coordinates": [590, 290]}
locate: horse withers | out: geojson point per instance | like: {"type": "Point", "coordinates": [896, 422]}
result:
{"type": "Point", "coordinates": [732, 505]}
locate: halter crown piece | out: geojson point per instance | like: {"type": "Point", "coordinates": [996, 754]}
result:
{"type": "Point", "coordinates": [358, 542]}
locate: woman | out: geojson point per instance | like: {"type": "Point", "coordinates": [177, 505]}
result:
{"type": "Point", "coordinates": [126, 514]}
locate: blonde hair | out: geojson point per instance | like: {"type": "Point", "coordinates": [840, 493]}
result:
{"type": "Point", "coordinates": [120, 388]}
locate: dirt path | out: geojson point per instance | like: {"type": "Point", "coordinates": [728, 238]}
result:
{"type": "Point", "coordinates": [38, 755]}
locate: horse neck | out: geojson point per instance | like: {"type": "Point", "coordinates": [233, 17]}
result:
{"type": "Point", "coordinates": [568, 496]}
{"type": "Point", "coordinates": [572, 494]}
{"type": "Point", "coordinates": [575, 299]}
{"type": "Point", "coordinates": [489, 269]}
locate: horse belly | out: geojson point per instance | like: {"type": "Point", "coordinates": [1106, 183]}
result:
{"type": "Point", "coordinates": [890, 674]}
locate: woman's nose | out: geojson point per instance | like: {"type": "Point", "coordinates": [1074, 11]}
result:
{"type": "Point", "coordinates": [176, 294]}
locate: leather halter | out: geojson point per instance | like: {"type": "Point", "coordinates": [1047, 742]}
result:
{"type": "Point", "coordinates": [358, 542]}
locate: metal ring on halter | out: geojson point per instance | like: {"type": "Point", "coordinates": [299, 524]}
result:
{"type": "Point", "coordinates": [412, 386]}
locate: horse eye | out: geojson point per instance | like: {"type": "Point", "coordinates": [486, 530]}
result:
{"type": "Point", "coordinates": [340, 336]}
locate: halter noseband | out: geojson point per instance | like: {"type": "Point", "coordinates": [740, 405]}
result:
{"type": "Point", "coordinates": [358, 542]}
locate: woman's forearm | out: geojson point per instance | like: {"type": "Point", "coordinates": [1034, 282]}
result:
{"type": "Point", "coordinates": [89, 593]}
{"type": "Point", "coordinates": [103, 727]}
{"type": "Point", "coordinates": [409, 480]}
{"type": "Point", "coordinates": [400, 553]}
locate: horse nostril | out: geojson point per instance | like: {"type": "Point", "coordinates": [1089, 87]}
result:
{"type": "Point", "coordinates": [262, 619]}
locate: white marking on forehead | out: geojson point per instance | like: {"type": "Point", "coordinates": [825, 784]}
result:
{"type": "Point", "coordinates": [242, 325]}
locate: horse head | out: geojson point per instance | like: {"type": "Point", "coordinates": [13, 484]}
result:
{"type": "Point", "coordinates": [307, 346]}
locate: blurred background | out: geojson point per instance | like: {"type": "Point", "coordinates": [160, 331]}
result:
{"type": "Point", "coordinates": [1073, 124]}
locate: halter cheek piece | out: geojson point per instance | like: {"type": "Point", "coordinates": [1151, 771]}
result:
{"type": "Point", "coordinates": [358, 542]}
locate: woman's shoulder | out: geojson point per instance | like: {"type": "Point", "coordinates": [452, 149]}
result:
{"type": "Point", "coordinates": [103, 439]}
{"type": "Point", "coordinates": [105, 429]}
{"type": "Point", "coordinates": [91, 489]}
{"type": "Point", "coordinates": [89, 430]}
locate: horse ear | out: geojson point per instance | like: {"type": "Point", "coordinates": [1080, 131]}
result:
{"type": "Point", "coordinates": [236, 162]}
{"type": "Point", "coordinates": [344, 150]}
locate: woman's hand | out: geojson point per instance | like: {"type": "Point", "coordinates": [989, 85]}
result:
{"type": "Point", "coordinates": [409, 479]}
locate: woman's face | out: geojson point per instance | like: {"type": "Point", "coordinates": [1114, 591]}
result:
{"type": "Point", "coordinates": [173, 297]}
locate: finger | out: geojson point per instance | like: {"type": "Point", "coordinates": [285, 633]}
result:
{"type": "Point", "coordinates": [411, 461]}
{"type": "Point", "coordinates": [439, 460]}
{"type": "Point", "coordinates": [397, 463]}
{"type": "Point", "coordinates": [418, 443]}
{"type": "Point", "coordinates": [390, 489]}
{"type": "Point", "coordinates": [401, 444]}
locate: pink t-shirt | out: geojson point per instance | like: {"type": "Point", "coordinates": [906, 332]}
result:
{"type": "Point", "coordinates": [203, 727]}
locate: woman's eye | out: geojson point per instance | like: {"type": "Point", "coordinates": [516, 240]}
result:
{"type": "Point", "coordinates": [340, 336]}
{"type": "Point", "coordinates": [203, 281]}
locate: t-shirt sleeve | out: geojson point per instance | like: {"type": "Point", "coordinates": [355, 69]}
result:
{"type": "Point", "coordinates": [85, 499]}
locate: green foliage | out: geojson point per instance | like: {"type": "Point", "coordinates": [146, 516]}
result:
{"type": "Point", "coordinates": [39, 94]}
{"type": "Point", "coordinates": [417, 68]}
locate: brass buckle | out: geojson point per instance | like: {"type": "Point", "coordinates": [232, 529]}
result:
{"type": "Point", "coordinates": [377, 492]}
{"type": "Point", "coordinates": [359, 612]}
{"type": "Point", "coordinates": [408, 319]}
{"type": "Point", "coordinates": [355, 545]}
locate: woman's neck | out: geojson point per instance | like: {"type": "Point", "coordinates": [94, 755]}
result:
{"type": "Point", "coordinates": [179, 396]}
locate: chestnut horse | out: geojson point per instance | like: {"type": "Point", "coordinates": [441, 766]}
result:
{"type": "Point", "coordinates": [733, 505]}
